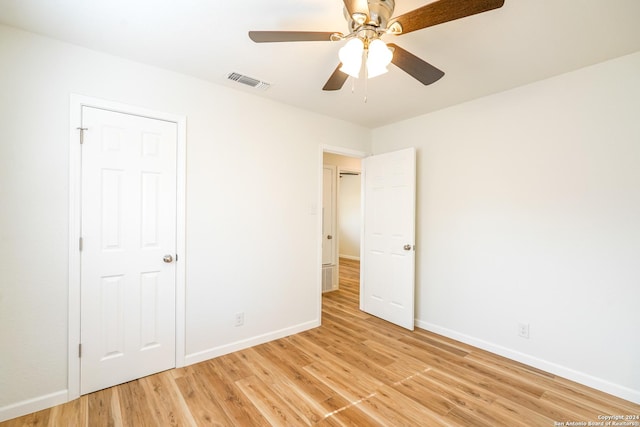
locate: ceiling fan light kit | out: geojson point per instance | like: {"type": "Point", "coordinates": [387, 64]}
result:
{"type": "Point", "coordinates": [374, 53]}
{"type": "Point", "coordinates": [368, 21]}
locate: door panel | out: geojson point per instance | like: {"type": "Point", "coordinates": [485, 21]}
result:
{"type": "Point", "coordinates": [387, 266]}
{"type": "Point", "coordinates": [328, 214]}
{"type": "Point", "coordinates": [128, 224]}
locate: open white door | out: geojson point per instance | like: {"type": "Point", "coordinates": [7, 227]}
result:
{"type": "Point", "coordinates": [128, 273]}
{"type": "Point", "coordinates": [387, 270]}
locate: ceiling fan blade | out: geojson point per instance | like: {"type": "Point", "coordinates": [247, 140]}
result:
{"type": "Point", "coordinates": [289, 36]}
{"type": "Point", "coordinates": [337, 79]}
{"type": "Point", "coordinates": [442, 11]}
{"type": "Point", "coordinates": [420, 70]}
{"type": "Point", "coordinates": [357, 7]}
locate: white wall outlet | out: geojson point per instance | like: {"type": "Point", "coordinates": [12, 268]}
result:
{"type": "Point", "coordinates": [239, 319]}
{"type": "Point", "coordinates": [523, 330]}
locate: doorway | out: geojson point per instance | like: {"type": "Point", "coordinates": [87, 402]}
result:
{"type": "Point", "coordinates": [341, 216]}
{"type": "Point", "coordinates": [387, 241]}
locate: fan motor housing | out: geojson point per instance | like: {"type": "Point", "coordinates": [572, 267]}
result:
{"type": "Point", "coordinates": [380, 12]}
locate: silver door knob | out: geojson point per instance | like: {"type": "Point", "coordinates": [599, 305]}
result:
{"type": "Point", "coordinates": [407, 247]}
{"type": "Point", "coordinates": [167, 258]}
{"type": "Point", "coordinates": [329, 237]}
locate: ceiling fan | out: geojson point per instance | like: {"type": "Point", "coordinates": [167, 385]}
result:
{"type": "Point", "coordinates": [368, 21]}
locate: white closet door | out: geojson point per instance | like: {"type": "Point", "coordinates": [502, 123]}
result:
{"type": "Point", "coordinates": [128, 275]}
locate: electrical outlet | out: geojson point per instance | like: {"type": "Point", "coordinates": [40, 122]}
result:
{"type": "Point", "coordinates": [239, 319]}
{"type": "Point", "coordinates": [523, 330]}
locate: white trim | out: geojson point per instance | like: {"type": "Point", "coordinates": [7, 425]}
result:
{"type": "Point", "coordinates": [181, 245]}
{"type": "Point", "coordinates": [348, 170]}
{"type": "Point", "coordinates": [211, 353]}
{"type": "Point", "coordinates": [362, 207]}
{"type": "Point", "coordinates": [355, 258]}
{"type": "Point", "coordinates": [29, 406]}
{"type": "Point", "coordinates": [73, 362]}
{"type": "Point", "coordinates": [344, 151]}
{"type": "Point", "coordinates": [75, 119]}
{"type": "Point", "coordinates": [553, 368]}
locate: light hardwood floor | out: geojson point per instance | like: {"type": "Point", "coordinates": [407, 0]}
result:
{"type": "Point", "coordinates": [355, 370]}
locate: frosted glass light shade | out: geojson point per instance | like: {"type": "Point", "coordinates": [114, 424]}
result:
{"type": "Point", "coordinates": [378, 58]}
{"type": "Point", "coordinates": [351, 57]}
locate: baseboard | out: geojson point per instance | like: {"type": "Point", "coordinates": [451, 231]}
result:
{"type": "Point", "coordinates": [33, 405]}
{"type": "Point", "coordinates": [211, 353]}
{"type": "Point", "coordinates": [355, 258]}
{"type": "Point", "coordinates": [553, 368]}
{"type": "Point", "coordinates": [43, 402]}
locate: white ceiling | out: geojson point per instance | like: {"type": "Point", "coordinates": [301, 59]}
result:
{"type": "Point", "coordinates": [524, 41]}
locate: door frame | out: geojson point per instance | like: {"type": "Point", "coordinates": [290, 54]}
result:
{"type": "Point", "coordinates": [325, 148]}
{"type": "Point", "coordinates": [77, 102]}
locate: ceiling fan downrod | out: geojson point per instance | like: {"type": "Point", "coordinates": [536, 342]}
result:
{"type": "Point", "coordinates": [373, 24]}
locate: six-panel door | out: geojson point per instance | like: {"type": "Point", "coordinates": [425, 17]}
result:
{"type": "Point", "coordinates": [128, 226]}
{"type": "Point", "coordinates": [388, 256]}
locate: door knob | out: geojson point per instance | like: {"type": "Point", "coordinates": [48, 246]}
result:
{"type": "Point", "coordinates": [329, 237]}
{"type": "Point", "coordinates": [167, 258]}
{"type": "Point", "coordinates": [407, 247]}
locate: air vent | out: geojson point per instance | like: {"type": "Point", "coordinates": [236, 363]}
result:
{"type": "Point", "coordinates": [249, 81]}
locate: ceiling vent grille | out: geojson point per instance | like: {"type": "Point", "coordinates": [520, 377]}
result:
{"type": "Point", "coordinates": [249, 81]}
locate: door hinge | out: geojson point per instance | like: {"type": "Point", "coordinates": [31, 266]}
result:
{"type": "Point", "coordinates": [79, 350]}
{"type": "Point", "coordinates": [80, 244]}
{"type": "Point", "coordinates": [176, 257]}
{"type": "Point", "coordinates": [81, 134]}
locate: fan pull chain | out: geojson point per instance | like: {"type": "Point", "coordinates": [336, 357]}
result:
{"type": "Point", "coordinates": [366, 75]}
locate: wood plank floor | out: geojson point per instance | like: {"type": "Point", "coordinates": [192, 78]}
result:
{"type": "Point", "coordinates": [355, 370]}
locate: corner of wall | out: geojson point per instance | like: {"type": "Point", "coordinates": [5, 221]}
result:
{"type": "Point", "coordinates": [214, 352]}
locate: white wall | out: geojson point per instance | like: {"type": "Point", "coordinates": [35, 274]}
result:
{"type": "Point", "coordinates": [349, 216]}
{"type": "Point", "coordinates": [343, 162]}
{"type": "Point", "coordinates": [529, 211]}
{"type": "Point", "coordinates": [252, 231]}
